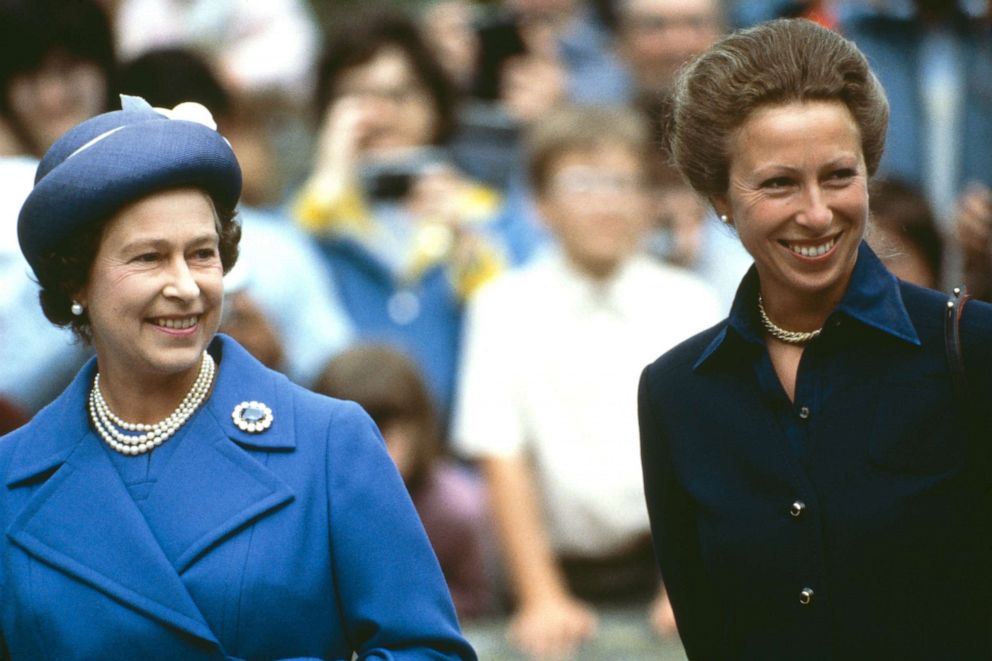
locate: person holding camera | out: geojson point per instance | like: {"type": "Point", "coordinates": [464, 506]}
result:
{"type": "Point", "coordinates": [406, 235]}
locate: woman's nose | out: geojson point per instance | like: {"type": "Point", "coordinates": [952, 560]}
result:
{"type": "Point", "coordinates": [181, 285]}
{"type": "Point", "coordinates": [816, 212]}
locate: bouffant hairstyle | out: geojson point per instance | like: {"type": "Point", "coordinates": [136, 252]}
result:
{"type": "Point", "coordinates": [581, 128]}
{"type": "Point", "coordinates": [359, 36]}
{"type": "Point", "coordinates": [390, 387]}
{"type": "Point", "coordinates": [65, 270]}
{"type": "Point", "coordinates": [779, 62]}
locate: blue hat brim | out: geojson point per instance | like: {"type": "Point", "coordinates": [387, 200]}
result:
{"type": "Point", "coordinates": [79, 183]}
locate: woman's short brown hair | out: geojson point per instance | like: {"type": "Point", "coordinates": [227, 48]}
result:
{"type": "Point", "coordinates": [779, 62]}
{"type": "Point", "coordinates": [65, 270]}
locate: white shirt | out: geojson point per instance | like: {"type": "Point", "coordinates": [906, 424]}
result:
{"type": "Point", "coordinates": [550, 369]}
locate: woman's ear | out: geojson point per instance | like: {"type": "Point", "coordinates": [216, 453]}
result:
{"type": "Point", "coordinates": [722, 207]}
{"type": "Point", "coordinates": [80, 297]}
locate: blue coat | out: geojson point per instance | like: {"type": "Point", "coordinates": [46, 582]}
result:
{"type": "Point", "coordinates": [854, 522]}
{"type": "Point", "coordinates": [299, 541]}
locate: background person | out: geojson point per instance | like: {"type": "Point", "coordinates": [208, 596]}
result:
{"type": "Point", "coordinates": [192, 503]}
{"type": "Point", "coordinates": [799, 507]}
{"type": "Point", "coordinates": [405, 235]}
{"type": "Point", "coordinates": [57, 68]}
{"type": "Point", "coordinates": [546, 397]}
{"type": "Point", "coordinates": [904, 234]}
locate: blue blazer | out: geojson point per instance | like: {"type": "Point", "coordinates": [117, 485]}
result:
{"type": "Point", "coordinates": [297, 542]}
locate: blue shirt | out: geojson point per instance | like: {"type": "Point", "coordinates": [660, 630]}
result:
{"type": "Point", "coordinates": [851, 523]}
{"type": "Point", "coordinates": [873, 299]}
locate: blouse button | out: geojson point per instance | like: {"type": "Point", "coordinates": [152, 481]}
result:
{"type": "Point", "coordinates": [806, 596]}
{"type": "Point", "coordinates": [797, 508]}
{"type": "Point", "coordinates": [804, 412]}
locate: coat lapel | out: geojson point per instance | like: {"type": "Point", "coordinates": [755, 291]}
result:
{"type": "Point", "coordinates": [216, 485]}
{"type": "Point", "coordinates": [83, 521]}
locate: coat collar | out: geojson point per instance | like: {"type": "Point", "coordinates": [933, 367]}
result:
{"type": "Point", "coordinates": [60, 426]}
{"type": "Point", "coordinates": [83, 522]}
{"type": "Point", "coordinates": [872, 298]}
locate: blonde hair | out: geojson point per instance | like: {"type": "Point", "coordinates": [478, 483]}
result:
{"type": "Point", "coordinates": [579, 128]}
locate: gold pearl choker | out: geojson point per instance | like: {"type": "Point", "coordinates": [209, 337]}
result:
{"type": "Point", "coordinates": [110, 427]}
{"type": "Point", "coordinates": [779, 333]}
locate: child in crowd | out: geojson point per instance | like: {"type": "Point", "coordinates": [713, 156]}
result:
{"type": "Point", "coordinates": [904, 233]}
{"type": "Point", "coordinates": [450, 502]}
{"type": "Point", "coordinates": [547, 397]}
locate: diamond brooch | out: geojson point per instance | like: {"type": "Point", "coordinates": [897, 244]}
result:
{"type": "Point", "coordinates": [252, 417]}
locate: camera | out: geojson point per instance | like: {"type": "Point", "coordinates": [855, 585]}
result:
{"type": "Point", "coordinates": [390, 179]}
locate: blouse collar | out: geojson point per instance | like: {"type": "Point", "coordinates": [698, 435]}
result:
{"type": "Point", "coordinates": [873, 298]}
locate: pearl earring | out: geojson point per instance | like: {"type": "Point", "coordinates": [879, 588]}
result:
{"type": "Point", "coordinates": [76, 309]}
{"type": "Point", "coordinates": [724, 218]}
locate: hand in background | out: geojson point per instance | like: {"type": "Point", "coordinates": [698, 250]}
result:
{"type": "Point", "coordinates": [342, 138]}
{"type": "Point", "coordinates": [973, 219]}
{"type": "Point", "coordinates": [662, 617]}
{"type": "Point", "coordinates": [553, 627]}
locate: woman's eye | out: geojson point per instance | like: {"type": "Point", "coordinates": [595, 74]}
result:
{"type": "Point", "coordinates": [776, 183]}
{"type": "Point", "coordinates": [205, 253]}
{"type": "Point", "coordinates": [842, 174]}
{"type": "Point", "coordinates": [147, 258]}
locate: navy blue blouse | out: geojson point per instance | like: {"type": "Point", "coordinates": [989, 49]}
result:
{"type": "Point", "coordinates": [852, 522]}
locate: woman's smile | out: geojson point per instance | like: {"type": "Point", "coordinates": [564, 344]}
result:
{"type": "Point", "coordinates": [184, 325]}
{"type": "Point", "coordinates": [811, 251]}
{"type": "Point", "coordinates": [798, 198]}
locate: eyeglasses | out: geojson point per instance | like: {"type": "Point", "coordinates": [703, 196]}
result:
{"type": "Point", "coordinates": [650, 23]}
{"type": "Point", "coordinates": [589, 181]}
{"type": "Point", "coordinates": [398, 94]}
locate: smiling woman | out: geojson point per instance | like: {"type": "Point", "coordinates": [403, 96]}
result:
{"type": "Point", "coordinates": [817, 516]}
{"type": "Point", "coordinates": [190, 502]}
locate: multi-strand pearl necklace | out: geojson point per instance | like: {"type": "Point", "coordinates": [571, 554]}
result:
{"type": "Point", "coordinates": [779, 333]}
{"type": "Point", "coordinates": [109, 426]}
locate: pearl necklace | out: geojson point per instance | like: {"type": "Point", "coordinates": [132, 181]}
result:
{"type": "Point", "coordinates": [779, 333]}
{"type": "Point", "coordinates": [109, 425]}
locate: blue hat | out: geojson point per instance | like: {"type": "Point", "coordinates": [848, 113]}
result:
{"type": "Point", "coordinates": [110, 160]}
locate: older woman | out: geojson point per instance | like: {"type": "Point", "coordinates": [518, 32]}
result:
{"type": "Point", "coordinates": [815, 489]}
{"type": "Point", "coordinates": [179, 500]}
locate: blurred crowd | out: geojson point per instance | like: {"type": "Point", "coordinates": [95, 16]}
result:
{"type": "Point", "coordinates": [458, 214]}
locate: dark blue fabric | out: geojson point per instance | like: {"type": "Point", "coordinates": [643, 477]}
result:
{"type": "Point", "coordinates": [297, 542]}
{"type": "Point", "coordinates": [894, 538]}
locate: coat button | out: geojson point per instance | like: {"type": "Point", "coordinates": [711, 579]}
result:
{"type": "Point", "coordinates": [804, 412]}
{"type": "Point", "coordinates": [806, 596]}
{"type": "Point", "coordinates": [797, 508]}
